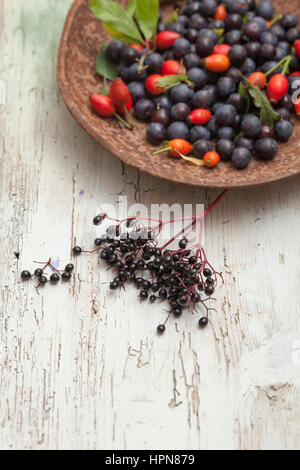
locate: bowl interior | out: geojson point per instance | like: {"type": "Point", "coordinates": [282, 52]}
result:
{"type": "Point", "coordinates": [80, 43]}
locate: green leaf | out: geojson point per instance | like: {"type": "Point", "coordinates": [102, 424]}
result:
{"type": "Point", "coordinates": [147, 16]}
{"type": "Point", "coordinates": [131, 7]}
{"type": "Point", "coordinates": [169, 81]}
{"type": "Point", "coordinates": [104, 66]}
{"type": "Point", "coordinates": [113, 33]}
{"type": "Point", "coordinates": [243, 91]}
{"type": "Point", "coordinates": [268, 115]}
{"type": "Point", "coordinates": [114, 16]}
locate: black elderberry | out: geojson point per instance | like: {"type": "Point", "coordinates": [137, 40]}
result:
{"type": "Point", "coordinates": [155, 287]}
{"type": "Point", "coordinates": [132, 267]}
{"type": "Point", "coordinates": [207, 272]}
{"type": "Point", "coordinates": [167, 260]}
{"type": "Point", "coordinates": [175, 257]}
{"type": "Point", "coordinates": [114, 285]}
{"type": "Point", "coordinates": [98, 242]}
{"type": "Point", "coordinates": [203, 322]}
{"type": "Point", "coordinates": [177, 311]}
{"type": "Point", "coordinates": [104, 254]}
{"type": "Point", "coordinates": [163, 293]}
{"type": "Point", "coordinates": [66, 276]}
{"type": "Point", "coordinates": [54, 278]}
{"type": "Point", "coordinates": [183, 291]}
{"type": "Point", "coordinates": [143, 294]}
{"type": "Point", "coordinates": [139, 281]}
{"type": "Point", "coordinates": [183, 244]}
{"type": "Point", "coordinates": [157, 262]}
{"type": "Point", "coordinates": [210, 281]}
{"type": "Point", "coordinates": [38, 272]}
{"type": "Point", "coordinates": [146, 285]}
{"type": "Point", "coordinates": [173, 303]}
{"type": "Point", "coordinates": [25, 275]}
{"type": "Point", "coordinates": [77, 250]}
{"type": "Point", "coordinates": [179, 267]}
{"type": "Point", "coordinates": [69, 268]}
{"type": "Point", "coordinates": [168, 269]}
{"type": "Point", "coordinates": [152, 299]}
{"type": "Point", "coordinates": [161, 329]}
{"type": "Point", "coordinates": [112, 259]}
{"type": "Point", "coordinates": [182, 301]}
{"type": "Point", "coordinates": [140, 264]}
{"type": "Point", "coordinates": [209, 290]}
{"type": "Point", "coordinates": [192, 259]}
{"type": "Point", "coordinates": [98, 219]}
{"type": "Point", "coordinates": [43, 280]}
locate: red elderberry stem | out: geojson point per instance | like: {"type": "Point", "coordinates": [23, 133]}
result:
{"type": "Point", "coordinates": [216, 202]}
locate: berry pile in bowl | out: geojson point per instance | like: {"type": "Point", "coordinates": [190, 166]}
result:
{"type": "Point", "coordinates": [217, 80]}
{"type": "Point", "coordinates": [207, 83]}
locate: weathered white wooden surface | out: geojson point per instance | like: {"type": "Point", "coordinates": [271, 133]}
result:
{"type": "Point", "coordinates": [83, 369]}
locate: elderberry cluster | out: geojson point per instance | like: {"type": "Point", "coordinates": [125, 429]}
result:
{"type": "Point", "coordinates": [179, 277]}
{"type": "Point", "coordinates": [41, 277]}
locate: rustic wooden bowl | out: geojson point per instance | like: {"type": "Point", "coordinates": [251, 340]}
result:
{"type": "Point", "coordinates": [80, 43]}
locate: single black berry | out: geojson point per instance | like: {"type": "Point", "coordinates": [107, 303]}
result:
{"type": "Point", "coordinates": [113, 285]}
{"type": "Point", "coordinates": [66, 276]}
{"type": "Point", "coordinates": [161, 329]}
{"type": "Point", "coordinates": [203, 322]}
{"type": "Point", "coordinates": [143, 295]}
{"type": "Point", "coordinates": [69, 268]}
{"type": "Point", "coordinates": [25, 275]}
{"type": "Point", "coordinates": [54, 278]}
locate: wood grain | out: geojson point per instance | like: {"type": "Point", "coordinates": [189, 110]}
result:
{"type": "Point", "coordinates": [83, 369]}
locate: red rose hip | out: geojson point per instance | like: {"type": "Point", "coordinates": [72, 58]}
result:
{"type": "Point", "coordinates": [199, 116]}
{"type": "Point", "coordinates": [277, 88]}
{"type": "Point", "coordinates": [170, 67]}
{"type": "Point", "coordinates": [222, 49]}
{"type": "Point", "coordinates": [119, 92]}
{"type": "Point", "coordinates": [152, 85]}
{"type": "Point", "coordinates": [103, 105]}
{"type": "Point", "coordinates": [297, 48]}
{"type": "Point", "coordinates": [166, 39]}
